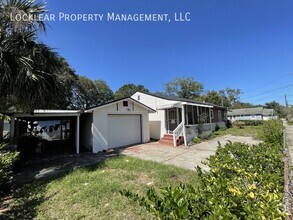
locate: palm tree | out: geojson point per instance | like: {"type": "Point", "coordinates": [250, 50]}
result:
{"type": "Point", "coordinates": [29, 71]}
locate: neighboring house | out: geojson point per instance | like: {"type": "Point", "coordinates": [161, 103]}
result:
{"type": "Point", "coordinates": [177, 119]}
{"type": "Point", "coordinates": [245, 114]}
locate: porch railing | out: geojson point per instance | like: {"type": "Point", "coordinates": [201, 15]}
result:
{"type": "Point", "coordinates": [177, 133]}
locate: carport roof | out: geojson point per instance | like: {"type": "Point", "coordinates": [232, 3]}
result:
{"type": "Point", "coordinates": [45, 113]}
{"type": "Point", "coordinates": [119, 100]}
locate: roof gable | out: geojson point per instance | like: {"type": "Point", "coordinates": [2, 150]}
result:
{"type": "Point", "coordinates": [119, 100]}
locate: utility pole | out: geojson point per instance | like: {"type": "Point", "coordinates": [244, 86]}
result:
{"type": "Point", "coordinates": [286, 101]}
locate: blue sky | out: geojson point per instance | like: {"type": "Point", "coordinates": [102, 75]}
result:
{"type": "Point", "coordinates": [245, 44]}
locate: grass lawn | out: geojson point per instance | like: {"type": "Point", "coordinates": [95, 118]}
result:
{"type": "Point", "coordinates": [93, 192]}
{"type": "Point", "coordinates": [253, 131]}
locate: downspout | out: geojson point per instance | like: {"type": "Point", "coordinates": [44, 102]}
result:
{"type": "Point", "coordinates": [183, 121]}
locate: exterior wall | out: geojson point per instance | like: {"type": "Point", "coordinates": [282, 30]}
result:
{"type": "Point", "coordinates": [245, 117]}
{"type": "Point", "coordinates": [100, 122]}
{"type": "Point", "coordinates": [86, 137]}
{"type": "Point", "coordinates": [157, 119]}
{"type": "Point", "coordinates": [266, 118]}
{"type": "Point", "coordinates": [216, 115]}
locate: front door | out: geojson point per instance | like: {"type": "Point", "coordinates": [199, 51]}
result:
{"type": "Point", "coordinates": [172, 119]}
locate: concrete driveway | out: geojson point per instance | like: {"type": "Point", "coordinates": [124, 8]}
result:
{"type": "Point", "coordinates": [185, 157]}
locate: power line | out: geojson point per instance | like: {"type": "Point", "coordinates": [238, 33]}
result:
{"type": "Point", "coordinates": [267, 92]}
{"type": "Point", "coordinates": [266, 84]}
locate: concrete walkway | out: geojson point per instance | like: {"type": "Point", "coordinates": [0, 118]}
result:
{"type": "Point", "coordinates": [185, 157]}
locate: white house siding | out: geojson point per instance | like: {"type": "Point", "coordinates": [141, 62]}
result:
{"type": "Point", "coordinates": [86, 137]}
{"type": "Point", "coordinates": [245, 117]}
{"type": "Point", "coordinates": [157, 119]}
{"type": "Point", "coordinates": [100, 122]}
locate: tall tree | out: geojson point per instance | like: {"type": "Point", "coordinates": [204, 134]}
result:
{"type": "Point", "coordinates": [128, 90]}
{"type": "Point", "coordinates": [184, 88]}
{"type": "Point", "coordinates": [105, 93]}
{"type": "Point", "coordinates": [230, 96]}
{"type": "Point", "coordinates": [88, 93]}
{"type": "Point", "coordinates": [279, 109]}
{"type": "Point", "coordinates": [29, 70]}
{"type": "Point", "coordinates": [213, 97]}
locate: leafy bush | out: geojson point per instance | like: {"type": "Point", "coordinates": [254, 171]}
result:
{"type": "Point", "coordinates": [196, 140]}
{"type": "Point", "coordinates": [7, 160]}
{"type": "Point", "coordinates": [245, 182]}
{"type": "Point", "coordinates": [229, 124]}
{"type": "Point", "coordinates": [239, 124]}
{"type": "Point", "coordinates": [224, 128]}
{"type": "Point", "coordinates": [272, 131]}
{"type": "Point", "coordinates": [254, 122]}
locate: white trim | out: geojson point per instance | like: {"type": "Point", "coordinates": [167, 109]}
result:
{"type": "Point", "coordinates": [183, 121]}
{"type": "Point", "coordinates": [46, 111]}
{"type": "Point", "coordinates": [121, 100]}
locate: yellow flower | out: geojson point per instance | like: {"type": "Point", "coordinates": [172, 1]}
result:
{"type": "Point", "coordinates": [251, 195]}
{"type": "Point", "coordinates": [252, 187]}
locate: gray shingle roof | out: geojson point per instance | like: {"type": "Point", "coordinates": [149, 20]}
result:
{"type": "Point", "coordinates": [251, 111]}
{"type": "Point", "coordinates": [268, 112]}
{"type": "Point", "coordinates": [175, 98]}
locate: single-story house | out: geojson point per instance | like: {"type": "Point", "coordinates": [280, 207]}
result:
{"type": "Point", "coordinates": [114, 124]}
{"type": "Point", "coordinates": [245, 114]}
{"type": "Point", "coordinates": [178, 120]}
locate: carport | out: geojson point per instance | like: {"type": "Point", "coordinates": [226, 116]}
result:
{"type": "Point", "coordinates": [67, 125]}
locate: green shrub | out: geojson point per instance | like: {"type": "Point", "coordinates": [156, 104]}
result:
{"type": "Point", "coordinates": [239, 124]}
{"type": "Point", "coordinates": [229, 124]}
{"type": "Point", "coordinates": [245, 182]}
{"type": "Point", "coordinates": [272, 131]}
{"type": "Point", "coordinates": [254, 122]}
{"type": "Point", "coordinates": [224, 128]}
{"type": "Point", "coordinates": [196, 140]}
{"type": "Point", "coordinates": [7, 160]}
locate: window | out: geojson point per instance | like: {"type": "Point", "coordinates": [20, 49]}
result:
{"type": "Point", "coordinates": [219, 115]}
{"type": "Point", "coordinates": [138, 97]}
{"type": "Point", "coordinates": [125, 103]}
{"type": "Point", "coordinates": [253, 116]}
{"type": "Point", "coordinates": [212, 113]}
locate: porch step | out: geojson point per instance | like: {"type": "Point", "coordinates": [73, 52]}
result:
{"type": "Point", "coordinates": [168, 140]}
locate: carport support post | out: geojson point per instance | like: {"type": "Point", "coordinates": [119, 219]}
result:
{"type": "Point", "coordinates": [183, 121]}
{"type": "Point", "coordinates": [77, 135]}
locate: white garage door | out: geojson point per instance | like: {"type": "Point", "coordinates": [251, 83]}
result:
{"type": "Point", "coordinates": [123, 130]}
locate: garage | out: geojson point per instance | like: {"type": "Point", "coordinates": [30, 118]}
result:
{"type": "Point", "coordinates": [124, 130]}
{"type": "Point", "coordinates": [117, 124]}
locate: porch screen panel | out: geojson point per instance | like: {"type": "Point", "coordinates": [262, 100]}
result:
{"type": "Point", "coordinates": [189, 115]}
{"type": "Point", "coordinates": [195, 115]}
